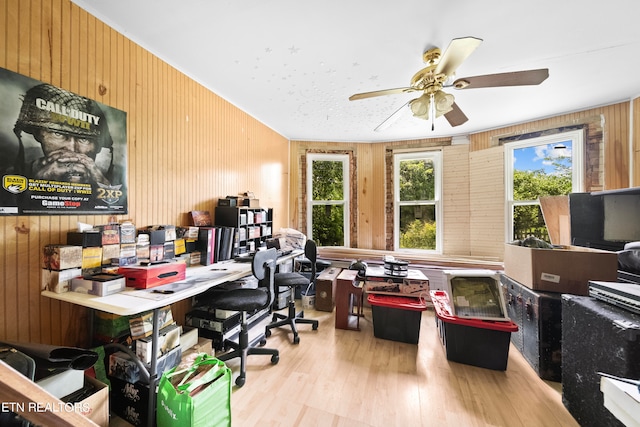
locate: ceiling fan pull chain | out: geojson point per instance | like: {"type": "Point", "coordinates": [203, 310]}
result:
{"type": "Point", "coordinates": [432, 107]}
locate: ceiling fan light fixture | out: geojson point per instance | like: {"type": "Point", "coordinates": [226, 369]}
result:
{"type": "Point", "coordinates": [443, 102]}
{"type": "Point", "coordinates": [420, 106]}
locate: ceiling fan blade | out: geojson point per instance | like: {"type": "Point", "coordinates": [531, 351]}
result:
{"type": "Point", "coordinates": [455, 117]}
{"type": "Point", "coordinates": [457, 51]}
{"type": "Point", "coordinates": [516, 78]}
{"type": "Point", "coordinates": [392, 118]}
{"type": "Point", "coordinates": [381, 93]}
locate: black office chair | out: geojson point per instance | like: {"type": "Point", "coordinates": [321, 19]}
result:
{"type": "Point", "coordinates": [248, 300]}
{"type": "Point", "coordinates": [293, 280]}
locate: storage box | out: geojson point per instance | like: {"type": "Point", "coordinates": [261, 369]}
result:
{"type": "Point", "coordinates": [109, 252]}
{"type": "Point", "coordinates": [168, 339]}
{"type": "Point", "coordinates": [396, 318]}
{"type": "Point", "coordinates": [122, 366]}
{"type": "Point", "coordinates": [96, 406]}
{"type": "Point", "coordinates": [127, 232]}
{"type": "Point", "coordinates": [130, 401]}
{"type": "Point", "coordinates": [326, 289]}
{"type": "Point", "coordinates": [476, 294]}
{"type": "Point", "coordinates": [86, 239]}
{"type": "Point", "coordinates": [59, 281]}
{"type": "Point", "coordinates": [567, 269]}
{"type": "Point", "coordinates": [539, 319]}
{"type": "Point", "coordinates": [482, 343]}
{"type": "Point", "coordinates": [110, 325]}
{"type": "Point", "coordinates": [91, 260]}
{"type": "Point", "coordinates": [100, 285]}
{"type": "Point", "coordinates": [141, 325]}
{"type": "Point", "coordinates": [110, 234]}
{"type": "Point", "coordinates": [147, 276]}
{"type": "Point", "coordinates": [414, 284]}
{"type": "Point", "coordinates": [61, 257]}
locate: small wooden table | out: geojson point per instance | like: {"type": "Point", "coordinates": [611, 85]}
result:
{"type": "Point", "coordinates": [349, 296]}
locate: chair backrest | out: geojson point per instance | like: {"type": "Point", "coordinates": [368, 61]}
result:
{"type": "Point", "coordinates": [311, 253]}
{"type": "Point", "coordinates": [263, 268]}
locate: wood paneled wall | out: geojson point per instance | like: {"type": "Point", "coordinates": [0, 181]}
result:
{"type": "Point", "coordinates": [186, 148]}
{"type": "Point", "coordinates": [474, 205]}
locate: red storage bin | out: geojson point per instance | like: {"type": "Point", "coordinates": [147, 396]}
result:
{"type": "Point", "coordinates": [396, 318]}
{"type": "Point", "coordinates": [482, 343]}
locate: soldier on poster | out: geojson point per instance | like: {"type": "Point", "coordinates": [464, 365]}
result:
{"type": "Point", "coordinates": [66, 154]}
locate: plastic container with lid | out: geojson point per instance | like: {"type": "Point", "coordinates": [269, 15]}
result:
{"type": "Point", "coordinates": [396, 318]}
{"type": "Point", "coordinates": [477, 342]}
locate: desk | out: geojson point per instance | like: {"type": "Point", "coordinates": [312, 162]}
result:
{"type": "Point", "coordinates": [136, 301]}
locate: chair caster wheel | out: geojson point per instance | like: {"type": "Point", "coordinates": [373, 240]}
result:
{"type": "Point", "coordinates": [275, 359]}
{"type": "Point", "coordinates": [267, 333]}
{"type": "Point", "coordinates": [274, 318]}
{"type": "Point", "coordinates": [240, 381]}
{"type": "Point", "coordinates": [314, 327]}
{"type": "Point", "coordinates": [263, 342]}
{"type": "Point", "coordinates": [296, 340]}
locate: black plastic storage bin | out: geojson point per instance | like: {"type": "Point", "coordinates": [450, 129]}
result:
{"type": "Point", "coordinates": [482, 343]}
{"type": "Point", "coordinates": [396, 318]}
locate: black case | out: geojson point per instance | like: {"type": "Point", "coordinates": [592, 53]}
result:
{"type": "Point", "coordinates": [596, 337]}
{"type": "Point", "coordinates": [539, 319]}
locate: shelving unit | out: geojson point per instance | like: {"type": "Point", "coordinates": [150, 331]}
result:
{"type": "Point", "coordinates": [255, 225]}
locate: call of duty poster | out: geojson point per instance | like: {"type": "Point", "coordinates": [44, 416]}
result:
{"type": "Point", "coordinates": [60, 153]}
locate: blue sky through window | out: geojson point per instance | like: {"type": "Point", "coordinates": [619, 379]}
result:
{"type": "Point", "coordinates": [533, 158]}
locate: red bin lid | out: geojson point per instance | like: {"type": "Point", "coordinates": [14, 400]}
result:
{"type": "Point", "coordinates": [402, 303]}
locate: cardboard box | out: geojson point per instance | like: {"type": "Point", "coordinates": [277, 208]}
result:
{"type": "Point", "coordinates": [567, 269]}
{"type": "Point", "coordinates": [326, 289]}
{"type": "Point", "coordinates": [91, 258]}
{"type": "Point", "coordinates": [168, 339]}
{"type": "Point", "coordinates": [188, 338]}
{"type": "Point", "coordinates": [141, 325]}
{"type": "Point", "coordinates": [100, 285]}
{"type": "Point", "coordinates": [109, 252]}
{"type": "Point", "coordinates": [110, 325]}
{"type": "Point", "coordinates": [414, 284]}
{"type": "Point", "coordinates": [110, 234]}
{"type": "Point", "coordinates": [130, 401]}
{"type": "Point", "coordinates": [147, 276]}
{"type": "Point", "coordinates": [61, 257]}
{"type": "Point", "coordinates": [127, 232]}
{"type": "Point", "coordinates": [96, 406]}
{"type": "Point", "coordinates": [123, 367]}
{"type": "Point", "coordinates": [59, 281]}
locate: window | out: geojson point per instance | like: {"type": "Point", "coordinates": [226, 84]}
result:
{"type": "Point", "coordinates": [417, 193]}
{"type": "Point", "coordinates": [328, 199]}
{"type": "Point", "coordinates": [537, 167]}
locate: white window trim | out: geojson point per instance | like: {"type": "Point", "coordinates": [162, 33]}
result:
{"type": "Point", "coordinates": [436, 158]}
{"type": "Point", "coordinates": [577, 166]}
{"type": "Point", "coordinates": [344, 158]}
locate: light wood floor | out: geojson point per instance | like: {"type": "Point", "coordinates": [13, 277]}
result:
{"type": "Point", "coordinates": [350, 378]}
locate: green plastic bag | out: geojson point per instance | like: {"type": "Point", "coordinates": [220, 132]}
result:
{"type": "Point", "coordinates": [198, 396]}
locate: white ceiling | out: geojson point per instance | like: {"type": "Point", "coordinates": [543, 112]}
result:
{"type": "Point", "coordinates": [293, 64]}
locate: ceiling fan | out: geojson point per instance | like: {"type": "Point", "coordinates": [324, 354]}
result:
{"type": "Point", "coordinates": [440, 70]}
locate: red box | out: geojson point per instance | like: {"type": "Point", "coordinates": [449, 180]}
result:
{"type": "Point", "coordinates": [148, 276]}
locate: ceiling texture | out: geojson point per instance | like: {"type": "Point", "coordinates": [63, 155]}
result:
{"type": "Point", "coordinates": [293, 64]}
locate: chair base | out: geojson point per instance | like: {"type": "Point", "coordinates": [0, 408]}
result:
{"type": "Point", "coordinates": [291, 319]}
{"type": "Point", "coordinates": [244, 348]}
